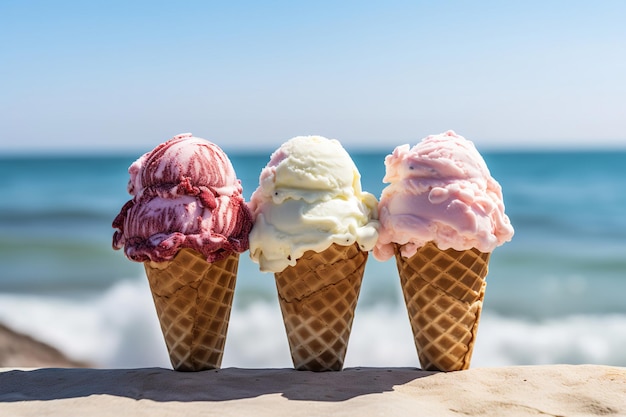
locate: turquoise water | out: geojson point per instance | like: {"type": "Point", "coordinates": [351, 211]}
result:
{"type": "Point", "coordinates": [566, 265]}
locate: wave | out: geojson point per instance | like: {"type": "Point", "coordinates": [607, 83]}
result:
{"type": "Point", "coordinates": [119, 329]}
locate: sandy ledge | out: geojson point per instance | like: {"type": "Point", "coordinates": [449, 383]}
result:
{"type": "Point", "coordinates": [553, 390]}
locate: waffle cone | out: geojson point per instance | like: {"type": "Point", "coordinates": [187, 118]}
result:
{"type": "Point", "coordinates": [444, 292]}
{"type": "Point", "coordinates": [317, 298]}
{"type": "Point", "coordinates": [193, 299]}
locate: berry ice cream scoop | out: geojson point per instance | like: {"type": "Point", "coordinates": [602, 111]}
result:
{"type": "Point", "coordinates": [185, 195]}
{"type": "Point", "coordinates": [188, 223]}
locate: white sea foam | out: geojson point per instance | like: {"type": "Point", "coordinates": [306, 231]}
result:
{"type": "Point", "coordinates": [119, 328]}
{"type": "Point", "coordinates": [574, 339]}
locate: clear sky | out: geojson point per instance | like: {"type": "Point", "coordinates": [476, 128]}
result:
{"type": "Point", "coordinates": [126, 75]}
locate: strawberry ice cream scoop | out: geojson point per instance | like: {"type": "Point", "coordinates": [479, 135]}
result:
{"type": "Point", "coordinates": [442, 191]}
{"type": "Point", "coordinates": [185, 195]}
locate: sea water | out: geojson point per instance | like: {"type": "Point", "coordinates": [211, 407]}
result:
{"type": "Point", "coordinates": [555, 293]}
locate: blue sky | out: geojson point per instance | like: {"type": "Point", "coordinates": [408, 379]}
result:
{"type": "Point", "coordinates": [126, 75]}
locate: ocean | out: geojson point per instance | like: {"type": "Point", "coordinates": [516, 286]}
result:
{"type": "Point", "coordinates": [555, 293]}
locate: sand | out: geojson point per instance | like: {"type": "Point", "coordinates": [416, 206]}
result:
{"type": "Point", "coordinates": [18, 349]}
{"type": "Point", "coordinates": [37, 380]}
{"type": "Point", "coordinates": [550, 390]}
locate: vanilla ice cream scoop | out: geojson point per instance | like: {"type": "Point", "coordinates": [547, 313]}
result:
{"type": "Point", "coordinates": [309, 197]}
{"type": "Point", "coordinates": [442, 191]}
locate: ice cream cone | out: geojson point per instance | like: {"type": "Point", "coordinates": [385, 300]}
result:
{"type": "Point", "coordinates": [318, 297]}
{"type": "Point", "coordinates": [193, 299]}
{"type": "Point", "coordinates": [444, 292]}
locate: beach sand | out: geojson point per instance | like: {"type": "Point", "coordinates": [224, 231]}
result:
{"type": "Point", "coordinates": [551, 390]}
{"type": "Point", "coordinates": [37, 380]}
{"type": "Point", "coordinates": [18, 349]}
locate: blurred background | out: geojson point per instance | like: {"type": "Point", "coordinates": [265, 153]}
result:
{"type": "Point", "coordinates": [87, 87]}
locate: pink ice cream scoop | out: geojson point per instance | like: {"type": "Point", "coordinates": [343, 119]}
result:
{"type": "Point", "coordinates": [185, 195]}
{"type": "Point", "coordinates": [440, 190]}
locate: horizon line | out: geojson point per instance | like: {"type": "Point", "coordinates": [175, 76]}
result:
{"type": "Point", "coordinates": [249, 150]}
